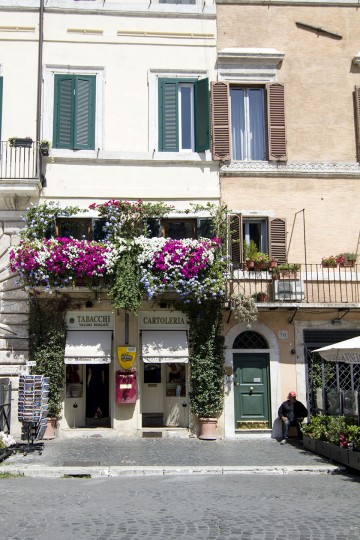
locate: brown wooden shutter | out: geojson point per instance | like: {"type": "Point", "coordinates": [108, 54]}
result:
{"type": "Point", "coordinates": [278, 239]}
{"type": "Point", "coordinates": [220, 121]}
{"type": "Point", "coordinates": [357, 120]}
{"type": "Point", "coordinates": [276, 122]}
{"type": "Point", "coordinates": [235, 239]}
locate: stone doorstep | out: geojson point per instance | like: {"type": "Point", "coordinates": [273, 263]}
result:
{"type": "Point", "coordinates": [252, 424]}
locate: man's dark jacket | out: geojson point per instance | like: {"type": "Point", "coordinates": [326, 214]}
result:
{"type": "Point", "coordinates": [300, 411]}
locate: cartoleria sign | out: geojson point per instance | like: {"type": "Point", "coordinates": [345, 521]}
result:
{"type": "Point", "coordinates": [161, 320]}
{"type": "Point", "coordinates": [90, 320]}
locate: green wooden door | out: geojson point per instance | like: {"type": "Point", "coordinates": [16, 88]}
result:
{"type": "Point", "coordinates": [251, 390]}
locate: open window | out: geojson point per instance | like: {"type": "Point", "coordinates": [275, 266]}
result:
{"type": "Point", "coordinates": [184, 121]}
{"type": "Point", "coordinates": [268, 234]}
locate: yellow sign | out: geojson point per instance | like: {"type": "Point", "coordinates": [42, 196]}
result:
{"type": "Point", "coordinates": [126, 356]}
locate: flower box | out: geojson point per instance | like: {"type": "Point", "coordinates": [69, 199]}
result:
{"type": "Point", "coordinates": [347, 264]}
{"type": "Point", "coordinates": [354, 460]}
{"type": "Point", "coordinates": [21, 142]}
{"type": "Point", "coordinates": [323, 448]}
{"type": "Point", "coordinates": [339, 454]}
{"type": "Point", "coordinates": [309, 443]}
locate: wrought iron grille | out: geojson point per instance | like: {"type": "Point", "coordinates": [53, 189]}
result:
{"type": "Point", "coordinates": [333, 388]}
{"type": "Point", "coordinates": [250, 340]}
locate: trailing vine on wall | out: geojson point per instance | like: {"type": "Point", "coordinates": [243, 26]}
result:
{"type": "Point", "coordinates": [47, 335]}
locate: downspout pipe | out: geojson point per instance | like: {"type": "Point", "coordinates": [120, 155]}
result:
{"type": "Point", "coordinates": [39, 87]}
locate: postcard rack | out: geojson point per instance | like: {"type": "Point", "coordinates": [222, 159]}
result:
{"type": "Point", "coordinates": [32, 411]}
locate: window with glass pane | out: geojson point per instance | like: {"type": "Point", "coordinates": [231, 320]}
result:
{"type": "Point", "coordinates": [256, 230]}
{"type": "Point", "coordinates": [179, 229]}
{"type": "Point", "coordinates": [186, 115]}
{"type": "Point", "coordinates": [248, 124]}
{"type": "Point", "coordinates": [184, 120]}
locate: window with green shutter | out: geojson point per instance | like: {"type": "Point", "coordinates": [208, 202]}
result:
{"type": "Point", "coordinates": [74, 112]}
{"type": "Point", "coordinates": [184, 122]}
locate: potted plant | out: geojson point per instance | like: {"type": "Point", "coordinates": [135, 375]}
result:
{"type": "Point", "coordinates": [47, 335]}
{"type": "Point", "coordinates": [273, 263]}
{"type": "Point", "coordinates": [346, 260]}
{"type": "Point", "coordinates": [287, 270]}
{"type": "Point", "coordinates": [207, 366]}
{"type": "Point", "coordinates": [25, 142]}
{"type": "Point", "coordinates": [249, 253]}
{"type": "Point", "coordinates": [261, 296]}
{"type": "Point", "coordinates": [261, 260]}
{"type": "Point", "coordinates": [329, 262]}
{"type": "Point", "coordinates": [44, 147]}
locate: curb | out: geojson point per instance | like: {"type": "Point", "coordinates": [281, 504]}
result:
{"type": "Point", "coordinates": [34, 471]}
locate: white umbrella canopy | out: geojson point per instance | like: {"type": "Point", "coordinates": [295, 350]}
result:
{"type": "Point", "coordinates": [347, 351]}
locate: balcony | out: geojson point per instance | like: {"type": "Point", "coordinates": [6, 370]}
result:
{"type": "Point", "coordinates": [19, 172]}
{"type": "Point", "coordinates": [313, 284]}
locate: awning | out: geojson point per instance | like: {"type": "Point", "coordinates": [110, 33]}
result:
{"type": "Point", "coordinates": [165, 346]}
{"type": "Point", "coordinates": [88, 347]}
{"type": "Point", "coordinates": [347, 351]}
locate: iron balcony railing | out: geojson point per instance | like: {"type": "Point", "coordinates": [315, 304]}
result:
{"type": "Point", "coordinates": [19, 160]}
{"type": "Point", "coordinates": [311, 284]}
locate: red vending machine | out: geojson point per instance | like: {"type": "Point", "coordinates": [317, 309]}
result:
{"type": "Point", "coordinates": [126, 386]}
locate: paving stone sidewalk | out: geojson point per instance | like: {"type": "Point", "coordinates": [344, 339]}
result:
{"type": "Point", "coordinates": [110, 457]}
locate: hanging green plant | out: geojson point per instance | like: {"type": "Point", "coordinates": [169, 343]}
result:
{"type": "Point", "coordinates": [125, 289]}
{"type": "Point", "coordinates": [243, 307]}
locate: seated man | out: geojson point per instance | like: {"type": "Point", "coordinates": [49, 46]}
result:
{"type": "Point", "coordinates": [291, 413]}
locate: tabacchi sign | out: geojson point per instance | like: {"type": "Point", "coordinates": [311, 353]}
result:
{"type": "Point", "coordinates": [86, 320]}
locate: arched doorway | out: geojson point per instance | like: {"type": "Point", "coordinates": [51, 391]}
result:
{"type": "Point", "coordinates": [251, 381]}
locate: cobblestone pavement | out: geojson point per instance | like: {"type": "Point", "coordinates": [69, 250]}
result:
{"type": "Point", "coordinates": [168, 452]}
{"type": "Point", "coordinates": [305, 507]}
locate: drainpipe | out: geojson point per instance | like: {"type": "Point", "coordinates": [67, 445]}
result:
{"type": "Point", "coordinates": [39, 87]}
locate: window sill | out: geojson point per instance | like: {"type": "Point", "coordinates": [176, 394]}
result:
{"type": "Point", "coordinates": [101, 155]}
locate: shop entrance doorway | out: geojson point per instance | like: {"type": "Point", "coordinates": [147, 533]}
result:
{"type": "Point", "coordinates": [165, 395]}
{"type": "Point", "coordinates": [97, 395]}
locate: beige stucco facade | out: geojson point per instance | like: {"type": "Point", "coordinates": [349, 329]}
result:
{"type": "Point", "coordinates": [314, 189]}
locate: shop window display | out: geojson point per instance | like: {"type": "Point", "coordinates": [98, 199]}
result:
{"type": "Point", "coordinates": [175, 380]}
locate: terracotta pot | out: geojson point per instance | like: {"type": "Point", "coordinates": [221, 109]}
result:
{"type": "Point", "coordinates": [262, 297]}
{"type": "Point", "coordinates": [50, 429]}
{"type": "Point", "coordinates": [260, 266]}
{"type": "Point", "coordinates": [347, 264]}
{"type": "Point", "coordinates": [250, 265]}
{"type": "Point", "coordinates": [207, 428]}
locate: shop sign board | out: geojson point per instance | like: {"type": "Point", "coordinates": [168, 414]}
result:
{"type": "Point", "coordinates": [126, 356]}
{"type": "Point", "coordinates": [90, 320]}
{"type": "Point", "coordinates": [162, 320]}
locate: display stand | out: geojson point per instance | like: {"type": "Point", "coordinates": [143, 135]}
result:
{"type": "Point", "coordinates": [32, 412]}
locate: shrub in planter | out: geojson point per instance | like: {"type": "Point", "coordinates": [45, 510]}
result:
{"type": "Point", "coordinates": [207, 364]}
{"type": "Point", "coordinates": [47, 335]}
